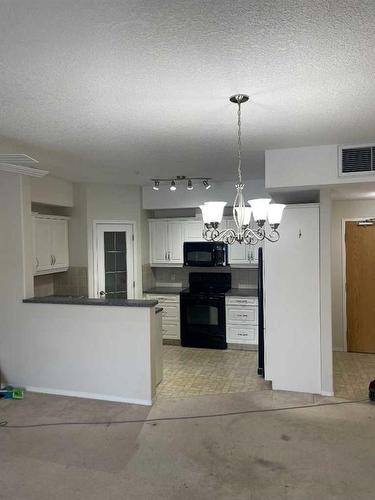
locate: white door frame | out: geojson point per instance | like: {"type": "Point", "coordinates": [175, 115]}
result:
{"type": "Point", "coordinates": [343, 246]}
{"type": "Point", "coordinates": [96, 272]}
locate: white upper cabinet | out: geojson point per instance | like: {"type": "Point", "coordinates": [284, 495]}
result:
{"type": "Point", "coordinates": [193, 230]}
{"type": "Point", "coordinates": [158, 242]}
{"type": "Point", "coordinates": [240, 254]}
{"type": "Point", "coordinates": [175, 242]}
{"type": "Point", "coordinates": [51, 251]}
{"type": "Point", "coordinates": [166, 242]}
{"type": "Point", "coordinates": [42, 245]}
{"type": "Point", "coordinates": [167, 237]}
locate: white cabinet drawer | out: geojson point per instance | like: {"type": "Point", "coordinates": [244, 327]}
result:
{"type": "Point", "coordinates": [171, 312]}
{"type": "Point", "coordinates": [242, 315]}
{"type": "Point", "coordinates": [240, 335]}
{"type": "Point", "coordinates": [164, 299]}
{"type": "Point", "coordinates": [170, 331]}
{"type": "Point", "coordinates": [241, 301]}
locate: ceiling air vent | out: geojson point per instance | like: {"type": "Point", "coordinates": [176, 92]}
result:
{"type": "Point", "coordinates": [357, 159]}
{"type": "Point", "coordinates": [18, 159]}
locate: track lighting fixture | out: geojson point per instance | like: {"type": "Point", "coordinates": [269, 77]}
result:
{"type": "Point", "coordinates": [181, 179]}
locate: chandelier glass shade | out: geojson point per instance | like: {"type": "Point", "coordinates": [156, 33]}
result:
{"type": "Point", "coordinates": [266, 215]}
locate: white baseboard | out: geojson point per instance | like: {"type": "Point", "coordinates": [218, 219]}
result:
{"type": "Point", "coordinates": [338, 349]}
{"type": "Point", "coordinates": [89, 395]}
{"type": "Point", "coordinates": [327, 393]}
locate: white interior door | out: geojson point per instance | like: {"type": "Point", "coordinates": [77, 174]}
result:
{"type": "Point", "coordinates": [115, 261]}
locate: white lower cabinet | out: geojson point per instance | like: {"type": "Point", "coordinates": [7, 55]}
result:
{"type": "Point", "coordinates": [241, 320]}
{"type": "Point", "coordinates": [170, 314]}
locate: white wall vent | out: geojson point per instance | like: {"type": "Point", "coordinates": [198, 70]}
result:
{"type": "Point", "coordinates": [357, 159]}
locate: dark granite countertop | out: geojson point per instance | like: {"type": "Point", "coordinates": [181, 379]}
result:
{"type": "Point", "coordinates": [85, 301]}
{"type": "Point", "coordinates": [164, 290]}
{"type": "Point", "coordinates": [243, 292]}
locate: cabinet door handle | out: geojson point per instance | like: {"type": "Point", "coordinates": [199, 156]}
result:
{"type": "Point", "coordinates": [169, 255]}
{"type": "Point", "coordinates": [37, 262]}
{"type": "Point", "coordinates": [51, 260]}
{"type": "Point", "coordinates": [166, 255]}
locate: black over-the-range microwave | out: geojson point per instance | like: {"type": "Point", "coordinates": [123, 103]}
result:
{"type": "Point", "coordinates": [205, 254]}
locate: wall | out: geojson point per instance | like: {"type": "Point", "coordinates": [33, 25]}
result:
{"type": "Point", "coordinates": [182, 198]}
{"type": "Point", "coordinates": [36, 340]}
{"type": "Point", "coordinates": [342, 210]}
{"type": "Point", "coordinates": [292, 303]}
{"type": "Point", "coordinates": [306, 166]}
{"type": "Point", "coordinates": [123, 203]}
{"type": "Point", "coordinates": [52, 191]}
{"type": "Point", "coordinates": [325, 228]}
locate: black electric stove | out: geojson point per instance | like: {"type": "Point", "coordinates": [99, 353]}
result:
{"type": "Point", "coordinates": [202, 310]}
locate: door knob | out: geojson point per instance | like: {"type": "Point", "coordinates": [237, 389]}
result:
{"type": "Point", "coordinates": [101, 293]}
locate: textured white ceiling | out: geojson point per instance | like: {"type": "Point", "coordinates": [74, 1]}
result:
{"type": "Point", "coordinates": [126, 90]}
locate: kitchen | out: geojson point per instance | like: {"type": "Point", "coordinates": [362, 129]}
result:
{"type": "Point", "coordinates": [147, 262]}
{"type": "Point", "coordinates": [164, 274]}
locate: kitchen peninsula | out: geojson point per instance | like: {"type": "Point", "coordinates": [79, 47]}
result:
{"type": "Point", "coordinates": [108, 349]}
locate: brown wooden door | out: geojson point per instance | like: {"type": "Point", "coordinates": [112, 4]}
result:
{"type": "Point", "coordinates": [360, 287]}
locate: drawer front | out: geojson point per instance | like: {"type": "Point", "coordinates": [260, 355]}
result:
{"type": "Point", "coordinates": [170, 312]}
{"type": "Point", "coordinates": [241, 301]}
{"type": "Point", "coordinates": [239, 335]}
{"type": "Point", "coordinates": [164, 299]}
{"type": "Point", "coordinates": [242, 315]}
{"type": "Point", "coordinates": [170, 331]}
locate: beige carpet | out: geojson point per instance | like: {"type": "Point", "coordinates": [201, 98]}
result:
{"type": "Point", "coordinates": [352, 373]}
{"type": "Point", "coordinates": [192, 372]}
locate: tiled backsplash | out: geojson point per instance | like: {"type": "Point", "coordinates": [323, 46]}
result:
{"type": "Point", "coordinates": [43, 285]}
{"type": "Point", "coordinates": [72, 282]}
{"type": "Point", "coordinates": [241, 278]}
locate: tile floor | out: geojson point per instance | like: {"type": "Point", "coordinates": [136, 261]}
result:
{"type": "Point", "coordinates": [352, 373]}
{"type": "Point", "coordinates": [191, 372]}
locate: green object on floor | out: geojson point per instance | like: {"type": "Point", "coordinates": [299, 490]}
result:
{"type": "Point", "coordinates": [10, 392]}
{"type": "Point", "coordinates": [18, 393]}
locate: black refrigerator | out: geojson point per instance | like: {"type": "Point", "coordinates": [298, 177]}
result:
{"type": "Point", "coordinates": [260, 314]}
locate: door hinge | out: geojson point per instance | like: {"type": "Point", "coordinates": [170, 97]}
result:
{"type": "Point", "coordinates": [132, 237]}
{"type": "Point", "coordinates": [133, 284]}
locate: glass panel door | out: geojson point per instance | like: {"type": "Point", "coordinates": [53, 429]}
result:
{"type": "Point", "coordinates": [115, 264]}
{"type": "Point", "coordinates": [115, 261]}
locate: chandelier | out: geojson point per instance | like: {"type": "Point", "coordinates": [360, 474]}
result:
{"type": "Point", "coordinates": [262, 210]}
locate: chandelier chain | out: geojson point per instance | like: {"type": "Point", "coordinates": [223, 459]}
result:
{"type": "Point", "coordinates": [239, 141]}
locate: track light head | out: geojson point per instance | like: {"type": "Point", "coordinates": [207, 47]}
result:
{"type": "Point", "coordinates": [173, 186]}
{"type": "Point", "coordinates": [206, 184]}
{"type": "Point", "coordinates": [155, 187]}
{"type": "Point", "coordinates": [190, 185]}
